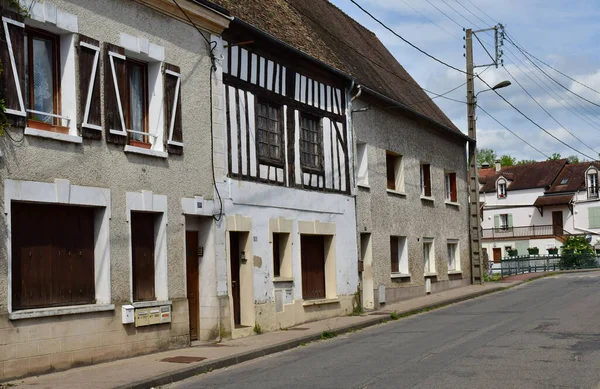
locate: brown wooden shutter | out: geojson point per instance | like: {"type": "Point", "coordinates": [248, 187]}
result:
{"type": "Point", "coordinates": [427, 180]}
{"type": "Point", "coordinates": [394, 254]}
{"type": "Point", "coordinates": [115, 87]}
{"type": "Point", "coordinates": [453, 196]}
{"type": "Point", "coordinates": [142, 243]}
{"type": "Point", "coordinates": [13, 94]}
{"type": "Point", "coordinates": [89, 107]}
{"type": "Point", "coordinates": [391, 171]}
{"type": "Point", "coordinates": [172, 102]}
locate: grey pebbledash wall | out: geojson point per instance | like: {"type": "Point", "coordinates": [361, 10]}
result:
{"type": "Point", "coordinates": [37, 345]}
{"type": "Point", "coordinates": [384, 214]}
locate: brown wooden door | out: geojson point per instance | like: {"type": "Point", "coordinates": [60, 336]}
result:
{"type": "Point", "coordinates": [497, 254]}
{"type": "Point", "coordinates": [234, 263]}
{"type": "Point", "coordinates": [557, 223]}
{"type": "Point", "coordinates": [193, 293]}
{"type": "Point", "coordinates": [313, 266]}
{"type": "Point", "coordinates": [142, 240]}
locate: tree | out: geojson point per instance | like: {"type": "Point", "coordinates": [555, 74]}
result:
{"type": "Point", "coordinates": [507, 160]}
{"type": "Point", "coordinates": [577, 252]}
{"type": "Point", "coordinates": [554, 157]}
{"type": "Point", "coordinates": [486, 156]}
{"type": "Point", "coordinates": [574, 159]}
{"type": "Point", "coordinates": [526, 161]}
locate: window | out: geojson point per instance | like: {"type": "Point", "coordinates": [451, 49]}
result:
{"type": "Point", "coordinates": [310, 142]}
{"type": "Point", "coordinates": [503, 221]}
{"type": "Point", "coordinates": [592, 183]}
{"type": "Point", "coordinates": [136, 103]}
{"type": "Point", "coordinates": [52, 255]}
{"type": "Point", "coordinates": [281, 265]}
{"type": "Point", "coordinates": [451, 187]}
{"type": "Point", "coordinates": [363, 166]}
{"type": "Point", "coordinates": [41, 80]}
{"type": "Point", "coordinates": [395, 171]}
{"type": "Point", "coordinates": [564, 181]}
{"type": "Point", "coordinates": [426, 180]}
{"type": "Point", "coordinates": [453, 255]}
{"type": "Point", "coordinates": [269, 130]}
{"type": "Point", "coordinates": [501, 188]}
{"type": "Point", "coordinates": [399, 254]}
{"type": "Point", "coordinates": [428, 256]}
{"type": "Point", "coordinates": [142, 249]}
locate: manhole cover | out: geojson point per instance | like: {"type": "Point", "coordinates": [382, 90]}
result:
{"type": "Point", "coordinates": [182, 359]}
{"type": "Point", "coordinates": [298, 329]}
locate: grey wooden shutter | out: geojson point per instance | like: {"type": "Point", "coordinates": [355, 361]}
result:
{"type": "Point", "coordinates": [172, 103]}
{"type": "Point", "coordinates": [115, 84]}
{"type": "Point", "coordinates": [89, 107]}
{"type": "Point", "coordinates": [12, 54]}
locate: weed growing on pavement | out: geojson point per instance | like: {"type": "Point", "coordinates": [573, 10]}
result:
{"type": "Point", "coordinates": [357, 308]}
{"type": "Point", "coordinates": [303, 344]}
{"type": "Point", "coordinates": [394, 316]}
{"type": "Point", "coordinates": [257, 329]}
{"type": "Point", "coordinates": [328, 335]}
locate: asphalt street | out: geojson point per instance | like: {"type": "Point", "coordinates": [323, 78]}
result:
{"type": "Point", "coordinates": [542, 334]}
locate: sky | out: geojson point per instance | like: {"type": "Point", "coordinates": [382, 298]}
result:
{"type": "Point", "coordinates": [564, 34]}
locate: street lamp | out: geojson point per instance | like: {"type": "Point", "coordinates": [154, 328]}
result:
{"type": "Point", "coordinates": [500, 85]}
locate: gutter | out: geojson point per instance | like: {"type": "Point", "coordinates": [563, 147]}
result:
{"type": "Point", "coordinates": [277, 41]}
{"type": "Point", "coordinates": [418, 114]}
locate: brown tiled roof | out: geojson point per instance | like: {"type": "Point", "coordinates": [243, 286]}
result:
{"type": "Point", "coordinates": [528, 176]}
{"type": "Point", "coordinates": [553, 200]}
{"type": "Point", "coordinates": [575, 175]}
{"type": "Point", "coordinates": [324, 32]}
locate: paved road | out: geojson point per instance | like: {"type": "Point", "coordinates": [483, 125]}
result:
{"type": "Point", "coordinates": [543, 334]}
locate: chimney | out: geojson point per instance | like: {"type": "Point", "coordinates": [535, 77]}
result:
{"type": "Point", "coordinates": [498, 165]}
{"type": "Point", "coordinates": [485, 165]}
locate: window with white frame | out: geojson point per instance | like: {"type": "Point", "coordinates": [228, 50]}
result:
{"type": "Point", "coordinates": [399, 254]}
{"type": "Point", "coordinates": [502, 222]}
{"type": "Point", "coordinates": [451, 195]}
{"type": "Point", "coordinates": [362, 163]}
{"type": "Point", "coordinates": [428, 256]}
{"type": "Point", "coordinates": [425, 180]}
{"type": "Point", "coordinates": [453, 255]}
{"type": "Point", "coordinates": [501, 188]}
{"type": "Point", "coordinates": [395, 171]}
{"type": "Point", "coordinates": [592, 183]}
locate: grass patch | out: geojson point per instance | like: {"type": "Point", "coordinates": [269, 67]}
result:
{"type": "Point", "coordinates": [357, 309]}
{"type": "Point", "coordinates": [328, 335]}
{"type": "Point", "coordinates": [394, 316]}
{"type": "Point", "coordinates": [257, 329]}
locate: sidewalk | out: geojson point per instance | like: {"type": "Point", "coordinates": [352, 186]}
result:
{"type": "Point", "coordinates": [154, 370]}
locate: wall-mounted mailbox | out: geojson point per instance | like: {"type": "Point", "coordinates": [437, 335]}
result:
{"type": "Point", "coordinates": [153, 315]}
{"type": "Point", "coordinates": [165, 314]}
{"type": "Point", "coordinates": [127, 314]}
{"type": "Point", "coordinates": [141, 317]}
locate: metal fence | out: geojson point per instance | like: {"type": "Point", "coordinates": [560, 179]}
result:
{"type": "Point", "coordinates": [522, 232]}
{"type": "Point", "coordinates": [540, 263]}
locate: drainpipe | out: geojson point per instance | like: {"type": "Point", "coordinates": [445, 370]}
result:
{"type": "Point", "coordinates": [357, 95]}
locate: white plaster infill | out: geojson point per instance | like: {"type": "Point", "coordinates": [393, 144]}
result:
{"type": "Point", "coordinates": [308, 303]}
{"type": "Point", "coordinates": [427, 198]}
{"type": "Point", "coordinates": [400, 275]}
{"type": "Point", "coordinates": [59, 311]}
{"type": "Point", "coordinates": [396, 193]}
{"type": "Point", "coordinates": [452, 203]}
{"type": "Point", "coordinates": [147, 304]}
{"type": "Point", "coordinates": [150, 152]}
{"type": "Point", "coordinates": [53, 135]}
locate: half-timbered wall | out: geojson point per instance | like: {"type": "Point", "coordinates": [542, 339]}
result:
{"type": "Point", "coordinates": [251, 78]}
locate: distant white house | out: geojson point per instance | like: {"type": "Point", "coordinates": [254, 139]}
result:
{"type": "Point", "coordinates": [537, 205]}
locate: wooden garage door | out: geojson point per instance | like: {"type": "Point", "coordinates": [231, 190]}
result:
{"type": "Point", "coordinates": [313, 266]}
{"type": "Point", "coordinates": [52, 255]}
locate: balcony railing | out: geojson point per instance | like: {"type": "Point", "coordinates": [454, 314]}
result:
{"type": "Point", "coordinates": [523, 232]}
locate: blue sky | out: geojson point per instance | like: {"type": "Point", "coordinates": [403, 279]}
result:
{"type": "Point", "coordinates": [562, 34]}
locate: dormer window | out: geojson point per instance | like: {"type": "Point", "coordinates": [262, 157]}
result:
{"type": "Point", "coordinates": [592, 183]}
{"type": "Point", "coordinates": [501, 188]}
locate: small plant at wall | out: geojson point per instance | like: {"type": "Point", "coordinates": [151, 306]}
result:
{"type": "Point", "coordinates": [328, 335]}
{"type": "Point", "coordinates": [513, 253]}
{"type": "Point", "coordinates": [394, 316]}
{"type": "Point", "coordinates": [533, 251]}
{"type": "Point", "coordinates": [553, 250]}
{"type": "Point", "coordinates": [257, 329]}
{"type": "Point", "coordinates": [357, 308]}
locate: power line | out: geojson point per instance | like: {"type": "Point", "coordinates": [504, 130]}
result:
{"type": "Point", "coordinates": [480, 10]}
{"type": "Point", "coordinates": [445, 14]}
{"type": "Point", "coordinates": [459, 14]}
{"type": "Point", "coordinates": [471, 12]}
{"type": "Point", "coordinates": [442, 28]}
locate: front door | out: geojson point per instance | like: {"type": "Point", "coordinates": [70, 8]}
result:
{"type": "Point", "coordinates": [191, 259]}
{"type": "Point", "coordinates": [557, 223]}
{"type": "Point", "coordinates": [234, 263]}
{"type": "Point", "coordinates": [313, 266]}
{"type": "Point", "coordinates": [497, 254]}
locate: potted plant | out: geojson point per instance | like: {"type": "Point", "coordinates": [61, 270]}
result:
{"type": "Point", "coordinates": [553, 251]}
{"type": "Point", "coordinates": [533, 251]}
{"type": "Point", "coordinates": [513, 253]}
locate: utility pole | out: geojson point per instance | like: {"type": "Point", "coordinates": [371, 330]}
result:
{"type": "Point", "coordinates": [474, 211]}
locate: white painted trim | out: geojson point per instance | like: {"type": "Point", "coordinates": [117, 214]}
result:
{"type": "Point", "coordinates": [174, 110]}
{"type": "Point", "coordinates": [320, 301]}
{"type": "Point", "coordinates": [88, 100]}
{"type": "Point", "coordinates": [455, 272]}
{"type": "Point", "coordinates": [390, 191]}
{"type": "Point", "coordinates": [174, 143]}
{"type": "Point", "coordinates": [116, 132]}
{"type": "Point", "coordinates": [399, 275]}
{"type": "Point", "coordinates": [149, 202]}
{"type": "Point", "coordinates": [144, 304]}
{"type": "Point", "coordinates": [89, 46]}
{"type": "Point", "coordinates": [172, 73]}
{"type": "Point", "coordinates": [62, 192]}
{"type": "Point", "coordinates": [452, 203]}
{"type": "Point", "coordinates": [92, 126]}
{"type": "Point", "coordinates": [13, 65]}
{"type": "Point", "coordinates": [60, 311]}
{"type": "Point", "coordinates": [111, 56]}
{"type": "Point", "coordinates": [427, 198]}
{"type": "Point", "coordinates": [150, 152]}
{"type": "Point", "coordinates": [53, 135]}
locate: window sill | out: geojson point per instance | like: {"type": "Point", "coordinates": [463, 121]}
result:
{"type": "Point", "coordinates": [307, 303]}
{"type": "Point", "coordinates": [452, 203]}
{"type": "Point", "coordinates": [400, 275]}
{"type": "Point", "coordinates": [455, 272]}
{"type": "Point", "coordinates": [427, 198]}
{"type": "Point", "coordinates": [283, 279]}
{"type": "Point", "coordinates": [53, 135]}
{"type": "Point", "coordinates": [59, 311]}
{"type": "Point", "coordinates": [396, 193]}
{"type": "Point", "coordinates": [430, 274]}
{"type": "Point", "coordinates": [364, 186]}
{"type": "Point", "coordinates": [150, 152]}
{"type": "Point", "coordinates": [147, 304]}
